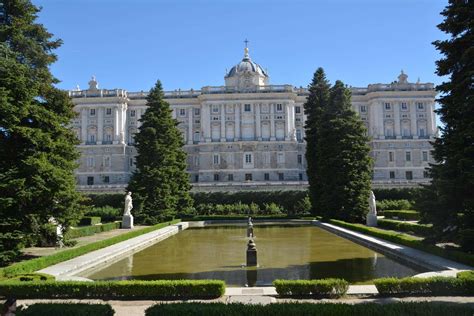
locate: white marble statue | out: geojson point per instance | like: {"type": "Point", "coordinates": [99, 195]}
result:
{"type": "Point", "coordinates": [128, 204]}
{"type": "Point", "coordinates": [372, 215]}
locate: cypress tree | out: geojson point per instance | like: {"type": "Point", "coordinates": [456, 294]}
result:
{"type": "Point", "coordinates": [343, 159]}
{"type": "Point", "coordinates": [37, 148]}
{"type": "Point", "coordinates": [452, 187]}
{"type": "Point", "coordinates": [318, 99]}
{"type": "Point", "coordinates": [160, 184]}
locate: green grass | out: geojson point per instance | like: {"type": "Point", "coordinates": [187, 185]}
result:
{"type": "Point", "coordinates": [32, 265]}
{"type": "Point", "coordinates": [408, 240]}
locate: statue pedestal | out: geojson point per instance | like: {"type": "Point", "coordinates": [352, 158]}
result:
{"type": "Point", "coordinates": [127, 221]}
{"type": "Point", "coordinates": [251, 254]}
{"type": "Point", "coordinates": [372, 220]}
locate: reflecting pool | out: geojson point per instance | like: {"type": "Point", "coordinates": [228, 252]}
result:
{"type": "Point", "coordinates": [284, 252]}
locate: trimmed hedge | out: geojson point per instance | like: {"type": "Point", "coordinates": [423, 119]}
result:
{"type": "Point", "coordinates": [433, 286]}
{"type": "Point", "coordinates": [90, 230]}
{"type": "Point", "coordinates": [43, 262]}
{"type": "Point", "coordinates": [237, 217]}
{"type": "Point", "coordinates": [106, 213]}
{"type": "Point", "coordinates": [412, 228]}
{"type": "Point", "coordinates": [466, 275]}
{"type": "Point", "coordinates": [323, 287]}
{"type": "Point", "coordinates": [32, 277]}
{"type": "Point", "coordinates": [409, 194]}
{"type": "Point", "coordinates": [159, 289]}
{"type": "Point", "coordinates": [114, 200]}
{"type": "Point", "coordinates": [407, 215]}
{"type": "Point", "coordinates": [383, 205]}
{"type": "Point", "coordinates": [320, 309]}
{"type": "Point", "coordinates": [89, 220]}
{"type": "Point", "coordinates": [409, 241]}
{"type": "Point", "coordinates": [66, 309]}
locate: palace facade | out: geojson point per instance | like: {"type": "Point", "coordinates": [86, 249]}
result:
{"type": "Point", "coordinates": [250, 134]}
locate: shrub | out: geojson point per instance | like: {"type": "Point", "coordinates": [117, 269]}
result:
{"type": "Point", "coordinates": [383, 205]}
{"type": "Point", "coordinates": [106, 213]}
{"type": "Point", "coordinates": [89, 220]}
{"type": "Point", "coordinates": [272, 209]}
{"type": "Point", "coordinates": [284, 309]}
{"type": "Point", "coordinates": [75, 232]}
{"type": "Point", "coordinates": [33, 277]}
{"type": "Point", "coordinates": [409, 241]}
{"type": "Point", "coordinates": [412, 228]}
{"type": "Point", "coordinates": [43, 262]}
{"type": "Point", "coordinates": [323, 287]}
{"type": "Point", "coordinates": [409, 194]}
{"type": "Point", "coordinates": [66, 309]}
{"type": "Point", "coordinates": [466, 239]}
{"type": "Point", "coordinates": [425, 286]}
{"type": "Point", "coordinates": [403, 215]}
{"type": "Point", "coordinates": [466, 275]}
{"type": "Point", "coordinates": [159, 289]}
{"type": "Point", "coordinates": [115, 200]}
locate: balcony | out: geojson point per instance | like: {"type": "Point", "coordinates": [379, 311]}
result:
{"type": "Point", "coordinates": [91, 143]}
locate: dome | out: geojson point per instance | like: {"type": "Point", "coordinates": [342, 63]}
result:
{"type": "Point", "coordinates": [246, 66]}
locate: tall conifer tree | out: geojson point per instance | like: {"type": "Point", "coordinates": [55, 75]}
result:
{"type": "Point", "coordinates": [160, 184]}
{"type": "Point", "coordinates": [318, 99]}
{"type": "Point", "coordinates": [37, 149]}
{"type": "Point", "coordinates": [452, 187]}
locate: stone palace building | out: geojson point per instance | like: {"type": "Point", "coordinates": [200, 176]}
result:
{"type": "Point", "coordinates": [249, 134]}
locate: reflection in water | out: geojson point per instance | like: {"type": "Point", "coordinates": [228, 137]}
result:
{"type": "Point", "coordinates": [285, 252]}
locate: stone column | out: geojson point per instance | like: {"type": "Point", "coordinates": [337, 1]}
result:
{"type": "Point", "coordinates": [272, 122]}
{"type": "Point", "coordinates": [429, 119]}
{"type": "Point", "coordinates": [190, 126]}
{"type": "Point", "coordinates": [258, 128]}
{"type": "Point", "coordinates": [100, 125]}
{"type": "Point", "coordinates": [222, 108]}
{"type": "Point", "coordinates": [116, 125]}
{"type": "Point", "coordinates": [414, 131]}
{"type": "Point", "coordinates": [83, 125]}
{"type": "Point", "coordinates": [287, 122]}
{"type": "Point", "coordinates": [237, 122]}
{"type": "Point", "coordinates": [206, 119]}
{"type": "Point", "coordinates": [122, 116]}
{"type": "Point", "coordinates": [396, 118]}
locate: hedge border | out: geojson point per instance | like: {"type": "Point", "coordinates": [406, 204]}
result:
{"type": "Point", "coordinates": [158, 289]}
{"type": "Point", "coordinates": [408, 215]}
{"type": "Point", "coordinates": [434, 286]}
{"type": "Point", "coordinates": [417, 229]}
{"type": "Point", "coordinates": [43, 262]}
{"type": "Point", "coordinates": [83, 231]}
{"type": "Point", "coordinates": [330, 287]}
{"type": "Point", "coordinates": [409, 241]}
{"type": "Point", "coordinates": [69, 309]}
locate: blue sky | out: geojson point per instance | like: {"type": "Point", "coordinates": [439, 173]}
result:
{"type": "Point", "coordinates": [189, 44]}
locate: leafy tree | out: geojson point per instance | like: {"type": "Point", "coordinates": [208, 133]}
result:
{"type": "Point", "coordinates": [37, 149]}
{"type": "Point", "coordinates": [451, 189]}
{"type": "Point", "coordinates": [160, 184]}
{"type": "Point", "coordinates": [317, 101]}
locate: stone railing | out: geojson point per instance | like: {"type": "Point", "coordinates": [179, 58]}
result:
{"type": "Point", "coordinates": [102, 93]}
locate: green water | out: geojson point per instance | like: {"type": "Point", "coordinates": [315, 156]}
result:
{"type": "Point", "coordinates": [284, 252]}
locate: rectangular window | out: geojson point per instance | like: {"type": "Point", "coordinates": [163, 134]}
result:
{"type": "Point", "coordinates": [300, 177]}
{"type": "Point", "coordinates": [424, 155]}
{"type": "Point", "coordinates": [388, 106]}
{"type": "Point", "coordinates": [196, 161]}
{"type": "Point", "coordinates": [248, 158]}
{"type": "Point", "coordinates": [408, 156]}
{"type": "Point", "coordinates": [392, 174]}
{"type": "Point", "coordinates": [404, 106]}
{"type": "Point", "coordinates": [281, 176]}
{"type": "Point", "coordinates": [90, 180]}
{"type": "Point", "coordinates": [297, 109]}
{"type": "Point", "coordinates": [426, 174]}
{"type": "Point", "coordinates": [196, 178]}
{"type": "Point", "coordinates": [230, 177]}
{"type": "Point", "coordinates": [266, 157]}
{"type": "Point", "coordinates": [197, 112]}
{"type": "Point", "coordinates": [363, 108]}
{"type": "Point", "coordinates": [92, 112]}
{"type": "Point", "coordinates": [279, 107]}
{"type": "Point", "coordinates": [108, 111]}
{"type": "Point", "coordinates": [281, 158]}
{"type": "Point", "coordinates": [390, 156]}
{"type": "Point", "coordinates": [300, 159]}
{"type": "Point", "coordinates": [420, 106]}
{"type": "Point", "coordinates": [247, 108]}
{"type": "Point", "coordinates": [248, 177]}
{"type": "Point", "coordinates": [216, 159]}
{"type": "Point", "coordinates": [106, 179]}
{"type": "Point", "coordinates": [132, 113]}
{"type": "Point", "coordinates": [131, 162]}
{"type": "Point", "coordinates": [182, 112]}
{"type": "Point", "coordinates": [216, 177]}
{"type": "Point", "coordinates": [409, 175]}
{"type": "Point", "coordinates": [266, 176]}
{"type": "Point", "coordinates": [90, 161]}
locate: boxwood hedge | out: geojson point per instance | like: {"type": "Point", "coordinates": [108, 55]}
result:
{"type": "Point", "coordinates": [425, 286]}
{"type": "Point", "coordinates": [159, 289]}
{"type": "Point", "coordinates": [66, 309]}
{"type": "Point", "coordinates": [412, 228]}
{"type": "Point", "coordinates": [407, 215]}
{"type": "Point", "coordinates": [284, 309]}
{"type": "Point", "coordinates": [322, 287]}
{"type": "Point", "coordinates": [82, 231]}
